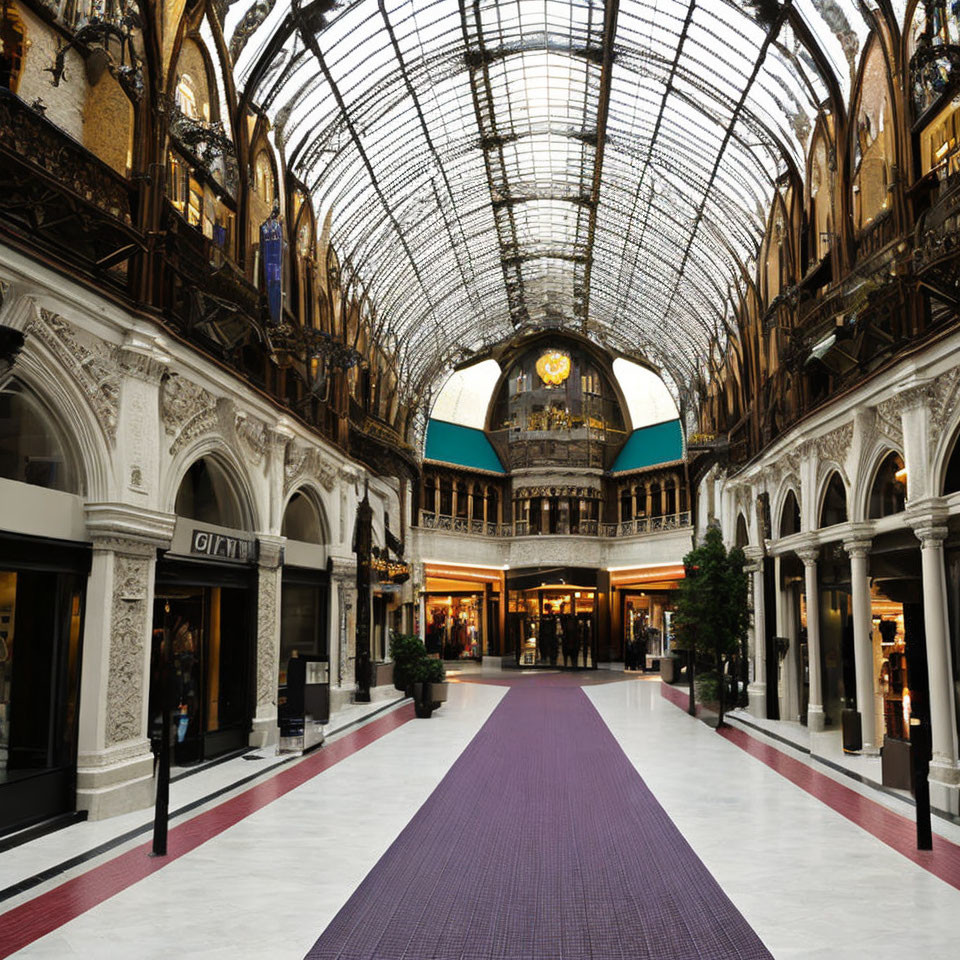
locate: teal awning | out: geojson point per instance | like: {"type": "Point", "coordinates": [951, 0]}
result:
{"type": "Point", "coordinates": [461, 447]}
{"type": "Point", "coordinates": [648, 446]}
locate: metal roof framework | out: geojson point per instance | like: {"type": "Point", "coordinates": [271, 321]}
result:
{"type": "Point", "coordinates": [497, 166]}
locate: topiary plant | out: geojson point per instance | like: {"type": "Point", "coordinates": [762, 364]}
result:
{"type": "Point", "coordinates": [406, 652]}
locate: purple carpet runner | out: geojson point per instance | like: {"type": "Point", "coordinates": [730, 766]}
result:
{"type": "Point", "coordinates": [541, 843]}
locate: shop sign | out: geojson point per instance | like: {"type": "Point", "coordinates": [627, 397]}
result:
{"type": "Point", "coordinates": [207, 544]}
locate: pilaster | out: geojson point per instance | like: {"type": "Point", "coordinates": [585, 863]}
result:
{"type": "Point", "coordinates": [264, 729]}
{"type": "Point", "coordinates": [114, 761]}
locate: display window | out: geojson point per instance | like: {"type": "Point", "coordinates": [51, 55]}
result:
{"type": "Point", "coordinates": [209, 648]}
{"type": "Point", "coordinates": [41, 626]}
{"type": "Point", "coordinates": [553, 626]}
{"type": "Point", "coordinates": [891, 680]}
{"type": "Point", "coordinates": [647, 618]}
{"type": "Point", "coordinates": [454, 627]}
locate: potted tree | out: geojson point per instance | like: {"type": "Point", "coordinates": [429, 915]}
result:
{"type": "Point", "coordinates": [406, 652]}
{"type": "Point", "coordinates": [712, 609]}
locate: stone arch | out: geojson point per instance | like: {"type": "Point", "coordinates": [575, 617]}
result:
{"type": "Point", "coordinates": [67, 405]}
{"type": "Point", "coordinates": [833, 500]}
{"type": "Point", "coordinates": [310, 496]}
{"type": "Point", "coordinates": [742, 531]}
{"type": "Point", "coordinates": [946, 473]}
{"type": "Point", "coordinates": [215, 450]}
{"type": "Point", "coordinates": [790, 486]}
{"type": "Point", "coordinates": [863, 493]}
{"type": "Point", "coordinates": [788, 516]}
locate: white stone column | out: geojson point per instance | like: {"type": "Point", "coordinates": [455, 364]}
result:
{"type": "Point", "coordinates": [264, 728]}
{"type": "Point", "coordinates": [757, 690]}
{"type": "Point", "coordinates": [859, 551]}
{"type": "Point", "coordinates": [815, 716]}
{"type": "Point", "coordinates": [114, 760]}
{"type": "Point", "coordinates": [343, 640]}
{"type": "Point", "coordinates": [943, 728]}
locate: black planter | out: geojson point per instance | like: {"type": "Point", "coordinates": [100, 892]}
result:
{"type": "Point", "coordinates": [422, 707]}
{"type": "Point", "coordinates": [852, 736]}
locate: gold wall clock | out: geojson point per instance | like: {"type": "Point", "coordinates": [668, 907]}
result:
{"type": "Point", "coordinates": [553, 367]}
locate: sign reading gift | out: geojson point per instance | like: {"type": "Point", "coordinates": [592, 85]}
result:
{"type": "Point", "coordinates": [207, 544]}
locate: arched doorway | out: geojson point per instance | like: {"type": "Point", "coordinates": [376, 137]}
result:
{"type": "Point", "coordinates": [205, 614]}
{"type": "Point", "coordinates": [43, 582]}
{"type": "Point", "coordinates": [304, 673]}
{"type": "Point", "coordinates": [790, 515]}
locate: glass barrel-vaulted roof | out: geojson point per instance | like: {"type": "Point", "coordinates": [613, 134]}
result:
{"type": "Point", "coordinates": [494, 167]}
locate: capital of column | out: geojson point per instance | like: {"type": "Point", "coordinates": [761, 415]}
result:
{"type": "Point", "coordinates": [343, 571]}
{"type": "Point", "coordinates": [809, 555]}
{"type": "Point", "coordinates": [857, 549]}
{"type": "Point", "coordinates": [928, 518]}
{"type": "Point", "coordinates": [127, 529]}
{"type": "Point", "coordinates": [270, 551]}
{"type": "Point", "coordinates": [753, 554]}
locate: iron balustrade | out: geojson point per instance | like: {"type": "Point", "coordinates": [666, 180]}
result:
{"type": "Point", "coordinates": [585, 528]}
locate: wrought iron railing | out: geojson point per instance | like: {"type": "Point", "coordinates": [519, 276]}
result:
{"type": "Point", "coordinates": [584, 528]}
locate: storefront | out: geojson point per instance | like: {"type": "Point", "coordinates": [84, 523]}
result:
{"type": "Point", "coordinates": [552, 617]}
{"type": "Point", "coordinates": [461, 612]}
{"type": "Point", "coordinates": [643, 611]}
{"type": "Point", "coordinates": [42, 593]}
{"type": "Point", "coordinates": [205, 606]}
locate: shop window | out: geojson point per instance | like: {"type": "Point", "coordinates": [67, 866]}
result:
{"type": "Point", "coordinates": [446, 497]}
{"type": "Point", "coordinates": [626, 504]}
{"type": "Point", "coordinates": [207, 494]}
{"type": "Point", "coordinates": [889, 492]}
{"type": "Point", "coordinates": [790, 515]}
{"type": "Point", "coordinates": [12, 34]}
{"type": "Point", "coordinates": [301, 520]}
{"type": "Point", "coordinates": [834, 509]}
{"type": "Point", "coordinates": [462, 501]}
{"type": "Point", "coordinates": [478, 503]}
{"type": "Point", "coordinates": [32, 448]}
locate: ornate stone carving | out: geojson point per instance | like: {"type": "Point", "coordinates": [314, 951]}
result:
{"type": "Point", "coordinates": [833, 447]}
{"type": "Point", "coordinates": [187, 409]}
{"type": "Point", "coordinates": [143, 366]}
{"type": "Point", "coordinates": [128, 627]}
{"type": "Point", "coordinates": [91, 362]}
{"type": "Point", "coordinates": [267, 649]}
{"type": "Point", "coordinates": [253, 436]}
{"type": "Point", "coordinates": [887, 422]}
{"type": "Point", "coordinates": [941, 395]}
{"type": "Point", "coordinates": [302, 462]}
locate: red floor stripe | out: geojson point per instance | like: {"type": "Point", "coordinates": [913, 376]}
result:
{"type": "Point", "coordinates": [896, 831]}
{"type": "Point", "coordinates": [40, 916]}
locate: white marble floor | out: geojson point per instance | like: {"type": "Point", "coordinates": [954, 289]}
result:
{"type": "Point", "coordinates": [811, 883]}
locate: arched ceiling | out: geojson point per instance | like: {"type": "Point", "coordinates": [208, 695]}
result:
{"type": "Point", "coordinates": [497, 166]}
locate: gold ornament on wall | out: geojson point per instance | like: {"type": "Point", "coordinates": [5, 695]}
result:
{"type": "Point", "coordinates": [553, 367]}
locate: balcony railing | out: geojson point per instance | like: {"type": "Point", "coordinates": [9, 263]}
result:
{"type": "Point", "coordinates": [585, 528]}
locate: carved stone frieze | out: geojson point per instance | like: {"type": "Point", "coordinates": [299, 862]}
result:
{"type": "Point", "coordinates": [307, 462]}
{"type": "Point", "coordinates": [91, 362]}
{"type": "Point", "coordinates": [128, 625]}
{"type": "Point", "coordinates": [887, 423]}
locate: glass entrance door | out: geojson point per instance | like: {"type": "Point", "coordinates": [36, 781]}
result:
{"type": "Point", "coordinates": [209, 659]}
